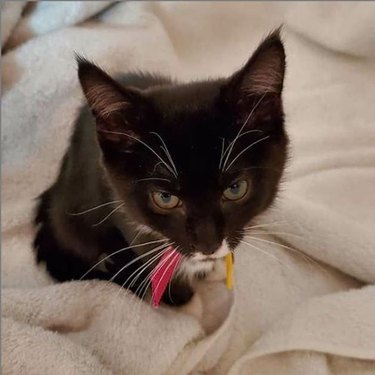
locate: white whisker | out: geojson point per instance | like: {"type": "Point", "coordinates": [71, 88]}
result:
{"type": "Point", "coordinates": [110, 214]}
{"type": "Point", "coordinates": [299, 252]}
{"type": "Point", "coordinates": [135, 237]}
{"type": "Point", "coordinates": [119, 251]}
{"type": "Point", "coordinates": [264, 225]}
{"type": "Point", "coordinates": [244, 150]}
{"type": "Point", "coordinates": [175, 256]}
{"type": "Point", "coordinates": [148, 277]}
{"type": "Point", "coordinates": [93, 208]}
{"type": "Point", "coordinates": [222, 152]}
{"type": "Point", "coordinates": [135, 260]}
{"type": "Point", "coordinates": [147, 281]}
{"type": "Point", "coordinates": [264, 252]}
{"type": "Point", "coordinates": [142, 268]}
{"type": "Point", "coordinates": [272, 233]}
{"type": "Point", "coordinates": [145, 284]}
{"type": "Point", "coordinates": [231, 146]}
{"type": "Point", "coordinates": [241, 135]}
{"type": "Point", "coordinates": [170, 282]}
{"type": "Point", "coordinates": [146, 145]}
{"type": "Point", "coordinates": [165, 149]}
{"type": "Point", "coordinates": [145, 265]}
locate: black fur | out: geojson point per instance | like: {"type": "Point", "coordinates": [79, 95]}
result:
{"type": "Point", "coordinates": [107, 159]}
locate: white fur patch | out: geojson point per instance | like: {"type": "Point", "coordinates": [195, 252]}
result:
{"type": "Point", "coordinates": [191, 267]}
{"type": "Point", "coordinates": [200, 263]}
{"type": "Point", "coordinates": [221, 252]}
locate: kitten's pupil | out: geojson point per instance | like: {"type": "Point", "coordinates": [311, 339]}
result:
{"type": "Point", "coordinates": [235, 188]}
{"type": "Point", "coordinates": [166, 197]}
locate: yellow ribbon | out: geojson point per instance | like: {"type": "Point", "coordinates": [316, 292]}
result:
{"type": "Point", "coordinates": [229, 265]}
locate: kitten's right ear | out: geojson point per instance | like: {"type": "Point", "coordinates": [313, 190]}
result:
{"type": "Point", "coordinates": [104, 95]}
{"type": "Point", "coordinates": [115, 107]}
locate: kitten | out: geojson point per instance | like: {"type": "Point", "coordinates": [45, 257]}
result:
{"type": "Point", "coordinates": [183, 164]}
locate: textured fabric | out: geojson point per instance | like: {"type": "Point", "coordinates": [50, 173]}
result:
{"type": "Point", "coordinates": [303, 300]}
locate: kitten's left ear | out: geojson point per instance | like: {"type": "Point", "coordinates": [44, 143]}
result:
{"type": "Point", "coordinates": [264, 72]}
{"type": "Point", "coordinates": [253, 94]}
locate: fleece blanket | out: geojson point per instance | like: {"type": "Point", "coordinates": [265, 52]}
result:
{"type": "Point", "coordinates": [304, 299]}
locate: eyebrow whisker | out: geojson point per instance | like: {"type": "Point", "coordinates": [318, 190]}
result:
{"type": "Point", "coordinates": [231, 145]}
{"type": "Point", "coordinates": [146, 145]}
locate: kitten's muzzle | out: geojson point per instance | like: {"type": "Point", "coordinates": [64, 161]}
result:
{"type": "Point", "coordinates": [217, 253]}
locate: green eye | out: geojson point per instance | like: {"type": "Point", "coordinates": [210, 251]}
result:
{"type": "Point", "coordinates": [236, 191]}
{"type": "Point", "coordinates": [165, 200]}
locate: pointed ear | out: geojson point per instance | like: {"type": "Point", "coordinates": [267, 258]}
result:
{"type": "Point", "coordinates": [253, 94]}
{"type": "Point", "coordinates": [264, 72]}
{"type": "Point", "coordinates": [104, 95]}
{"type": "Point", "coordinates": [115, 107]}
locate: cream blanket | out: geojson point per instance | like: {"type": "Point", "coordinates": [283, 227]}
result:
{"type": "Point", "coordinates": [303, 302]}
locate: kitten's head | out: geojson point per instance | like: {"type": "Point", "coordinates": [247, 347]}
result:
{"type": "Point", "coordinates": [194, 162]}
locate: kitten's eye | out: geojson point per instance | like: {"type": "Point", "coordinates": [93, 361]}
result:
{"type": "Point", "coordinates": [165, 200]}
{"type": "Point", "coordinates": [236, 191]}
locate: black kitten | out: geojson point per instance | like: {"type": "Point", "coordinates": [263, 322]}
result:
{"type": "Point", "coordinates": [183, 164]}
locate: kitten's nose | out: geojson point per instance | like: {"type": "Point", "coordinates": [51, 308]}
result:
{"type": "Point", "coordinates": [209, 250]}
{"type": "Point", "coordinates": [207, 237]}
{"type": "Point", "coordinates": [208, 246]}
{"type": "Point", "coordinates": [220, 251]}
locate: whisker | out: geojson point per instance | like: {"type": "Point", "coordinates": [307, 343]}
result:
{"type": "Point", "coordinates": [122, 286]}
{"type": "Point", "coordinates": [146, 145]}
{"type": "Point", "coordinates": [241, 135]}
{"type": "Point", "coordinates": [155, 166]}
{"type": "Point", "coordinates": [165, 149]}
{"type": "Point", "coordinates": [273, 233]}
{"type": "Point", "coordinates": [93, 208]}
{"type": "Point", "coordinates": [148, 277]}
{"type": "Point", "coordinates": [222, 152]}
{"type": "Point", "coordinates": [242, 127]}
{"type": "Point", "coordinates": [135, 260]}
{"type": "Point", "coordinates": [143, 267]}
{"type": "Point", "coordinates": [264, 225]}
{"type": "Point", "coordinates": [175, 256]}
{"type": "Point", "coordinates": [141, 291]}
{"type": "Point", "coordinates": [147, 281]}
{"type": "Point", "coordinates": [110, 214]}
{"type": "Point", "coordinates": [135, 237]}
{"type": "Point", "coordinates": [119, 251]}
{"type": "Point", "coordinates": [245, 149]}
{"type": "Point", "coordinates": [145, 284]}
{"type": "Point", "coordinates": [148, 284]}
{"type": "Point", "coordinates": [264, 252]}
{"type": "Point", "coordinates": [299, 252]}
{"type": "Point", "coordinates": [170, 282]}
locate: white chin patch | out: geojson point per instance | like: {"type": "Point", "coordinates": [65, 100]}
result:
{"type": "Point", "coordinates": [191, 268]}
{"type": "Point", "coordinates": [221, 252]}
{"type": "Point", "coordinates": [200, 263]}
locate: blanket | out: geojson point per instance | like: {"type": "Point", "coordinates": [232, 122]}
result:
{"type": "Point", "coordinates": [303, 300]}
